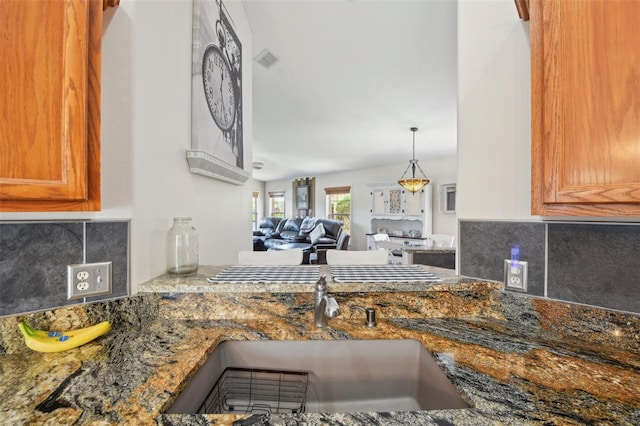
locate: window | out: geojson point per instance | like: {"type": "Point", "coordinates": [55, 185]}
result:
{"type": "Point", "coordinates": [339, 205]}
{"type": "Point", "coordinates": [254, 210]}
{"type": "Point", "coordinates": [276, 204]}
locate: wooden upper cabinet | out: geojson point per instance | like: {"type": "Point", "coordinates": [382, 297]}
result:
{"type": "Point", "coordinates": [50, 105]}
{"type": "Point", "coordinates": [585, 88]}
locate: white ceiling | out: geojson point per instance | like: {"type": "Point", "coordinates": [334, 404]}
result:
{"type": "Point", "coordinates": [352, 77]}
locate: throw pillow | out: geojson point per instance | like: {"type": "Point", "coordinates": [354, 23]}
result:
{"type": "Point", "coordinates": [317, 233]}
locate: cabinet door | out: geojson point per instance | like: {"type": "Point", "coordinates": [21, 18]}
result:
{"type": "Point", "coordinates": [377, 202]}
{"type": "Point", "coordinates": [585, 74]}
{"type": "Point", "coordinates": [395, 201]}
{"type": "Point", "coordinates": [50, 105]}
{"type": "Point", "coordinates": [414, 203]}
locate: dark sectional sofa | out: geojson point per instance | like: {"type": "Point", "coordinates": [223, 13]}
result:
{"type": "Point", "coordinates": [274, 231]}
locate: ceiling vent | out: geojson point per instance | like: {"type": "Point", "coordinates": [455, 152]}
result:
{"type": "Point", "coordinates": [266, 58]}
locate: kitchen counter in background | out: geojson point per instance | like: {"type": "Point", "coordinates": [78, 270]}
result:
{"type": "Point", "coordinates": [442, 257]}
{"type": "Point", "coordinates": [516, 360]}
{"type": "Point", "coordinates": [425, 249]}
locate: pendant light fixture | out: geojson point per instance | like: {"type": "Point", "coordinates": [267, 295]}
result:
{"type": "Point", "coordinates": [413, 184]}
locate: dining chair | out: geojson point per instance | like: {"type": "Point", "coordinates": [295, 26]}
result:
{"type": "Point", "coordinates": [357, 257]}
{"type": "Point", "coordinates": [320, 255]}
{"type": "Point", "coordinates": [442, 240]}
{"type": "Point", "coordinates": [273, 257]}
{"type": "Point", "coordinates": [382, 241]}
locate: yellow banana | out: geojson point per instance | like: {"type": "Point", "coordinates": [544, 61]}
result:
{"type": "Point", "coordinates": [33, 331]}
{"type": "Point", "coordinates": [57, 341]}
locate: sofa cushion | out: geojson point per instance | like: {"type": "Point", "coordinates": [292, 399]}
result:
{"type": "Point", "coordinates": [270, 222]}
{"type": "Point", "coordinates": [292, 225]}
{"type": "Point", "coordinates": [290, 236]}
{"type": "Point", "coordinates": [327, 240]}
{"type": "Point", "coordinates": [317, 232]}
{"type": "Point", "coordinates": [272, 242]}
{"type": "Point", "coordinates": [308, 224]}
{"type": "Point", "coordinates": [291, 229]}
{"type": "Point", "coordinates": [267, 227]}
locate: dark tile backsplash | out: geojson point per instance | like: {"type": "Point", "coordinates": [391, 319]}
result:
{"type": "Point", "coordinates": [485, 245]}
{"type": "Point", "coordinates": [595, 264]}
{"type": "Point", "coordinates": [34, 258]}
{"type": "Point", "coordinates": [590, 263]}
{"type": "Point", "coordinates": [110, 241]}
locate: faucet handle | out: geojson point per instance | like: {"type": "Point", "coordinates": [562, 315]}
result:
{"type": "Point", "coordinates": [321, 284]}
{"type": "Point", "coordinates": [370, 312]}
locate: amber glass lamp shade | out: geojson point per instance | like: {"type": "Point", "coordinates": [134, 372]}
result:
{"type": "Point", "coordinates": [413, 185]}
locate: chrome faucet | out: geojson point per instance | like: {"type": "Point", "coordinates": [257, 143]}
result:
{"type": "Point", "coordinates": [325, 306]}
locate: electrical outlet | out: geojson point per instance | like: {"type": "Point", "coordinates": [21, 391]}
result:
{"type": "Point", "coordinates": [88, 279]}
{"type": "Point", "coordinates": [515, 275]}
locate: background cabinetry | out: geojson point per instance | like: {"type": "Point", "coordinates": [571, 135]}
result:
{"type": "Point", "coordinates": [394, 201]}
{"type": "Point", "coordinates": [50, 104]}
{"type": "Point", "coordinates": [585, 88]}
{"type": "Point", "coordinates": [396, 212]}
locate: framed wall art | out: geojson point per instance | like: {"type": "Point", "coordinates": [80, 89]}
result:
{"type": "Point", "coordinates": [302, 197]}
{"type": "Point", "coordinates": [217, 145]}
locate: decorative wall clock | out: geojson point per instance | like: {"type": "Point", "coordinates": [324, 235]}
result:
{"type": "Point", "coordinates": [216, 106]}
{"type": "Point", "coordinates": [219, 88]}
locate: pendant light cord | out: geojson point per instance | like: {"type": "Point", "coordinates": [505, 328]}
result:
{"type": "Point", "coordinates": [413, 162]}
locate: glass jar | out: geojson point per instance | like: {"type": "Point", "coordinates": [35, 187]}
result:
{"type": "Point", "coordinates": [182, 247]}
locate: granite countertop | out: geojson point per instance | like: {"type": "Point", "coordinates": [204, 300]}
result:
{"type": "Point", "coordinates": [198, 283]}
{"type": "Point", "coordinates": [514, 359]}
{"type": "Point", "coordinates": [425, 249]}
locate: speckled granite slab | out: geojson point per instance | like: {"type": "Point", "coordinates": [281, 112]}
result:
{"type": "Point", "coordinates": [514, 359]}
{"type": "Point", "coordinates": [198, 283]}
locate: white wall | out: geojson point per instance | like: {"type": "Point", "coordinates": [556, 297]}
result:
{"type": "Point", "coordinates": [163, 186]}
{"type": "Point", "coordinates": [439, 170]}
{"type": "Point", "coordinates": [494, 113]}
{"type": "Point", "coordinates": [146, 124]}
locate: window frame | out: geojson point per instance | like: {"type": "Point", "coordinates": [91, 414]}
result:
{"type": "Point", "coordinates": [273, 196]}
{"type": "Point", "coordinates": [330, 202]}
{"type": "Point", "coordinates": [447, 199]}
{"type": "Point", "coordinates": [255, 199]}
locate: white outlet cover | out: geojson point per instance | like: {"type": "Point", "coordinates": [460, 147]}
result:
{"type": "Point", "coordinates": [515, 275]}
{"type": "Point", "coordinates": [88, 279]}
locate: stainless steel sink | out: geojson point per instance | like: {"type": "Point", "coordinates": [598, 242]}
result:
{"type": "Point", "coordinates": [344, 376]}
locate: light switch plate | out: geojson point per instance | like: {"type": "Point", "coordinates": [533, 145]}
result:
{"type": "Point", "coordinates": [88, 279]}
{"type": "Point", "coordinates": [515, 275]}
